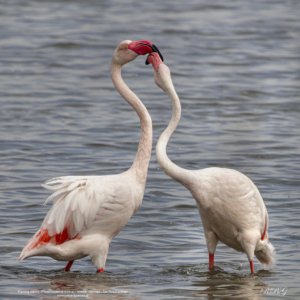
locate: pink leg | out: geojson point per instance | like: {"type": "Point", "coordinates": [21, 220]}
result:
{"type": "Point", "coordinates": [69, 265]}
{"type": "Point", "coordinates": [211, 260]}
{"type": "Point", "coordinates": [100, 271]}
{"type": "Point", "coordinates": [251, 266]}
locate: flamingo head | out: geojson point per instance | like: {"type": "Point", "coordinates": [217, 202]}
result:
{"type": "Point", "coordinates": [127, 51]}
{"type": "Point", "coordinates": [162, 74]}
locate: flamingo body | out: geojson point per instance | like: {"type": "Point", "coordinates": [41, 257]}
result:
{"type": "Point", "coordinates": [88, 211]}
{"type": "Point", "coordinates": [230, 206]}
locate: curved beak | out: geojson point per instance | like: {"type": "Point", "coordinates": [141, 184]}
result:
{"type": "Point", "coordinates": [144, 47]}
{"type": "Point", "coordinates": [157, 51]}
{"type": "Point", "coordinates": [147, 62]}
{"type": "Point", "coordinates": [154, 59]}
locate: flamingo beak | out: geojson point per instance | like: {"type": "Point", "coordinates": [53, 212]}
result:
{"type": "Point", "coordinates": [144, 47]}
{"type": "Point", "coordinates": [147, 62]}
{"type": "Point", "coordinates": [154, 59]}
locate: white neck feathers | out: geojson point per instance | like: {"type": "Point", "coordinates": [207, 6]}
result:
{"type": "Point", "coordinates": [141, 162]}
{"type": "Point", "coordinates": [163, 160]}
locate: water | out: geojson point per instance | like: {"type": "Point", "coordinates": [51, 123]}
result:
{"type": "Point", "coordinates": [235, 66]}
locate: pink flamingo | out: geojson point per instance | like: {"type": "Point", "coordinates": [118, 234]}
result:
{"type": "Point", "coordinates": [230, 206]}
{"type": "Point", "coordinates": [88, 211]}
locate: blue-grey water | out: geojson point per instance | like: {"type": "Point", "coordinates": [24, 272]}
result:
{"type": "Point", "coordinates": [236, 68]}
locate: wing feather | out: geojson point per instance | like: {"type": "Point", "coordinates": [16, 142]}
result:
{"type": "Point", "coordinates": [75, 184]}
{"type": "Point", "coordinates": [79, 220]}
{"type": "Point", "coordinates": [76, 201]}
{"type": "Point", "coordinates": [81, 203]}
{"type": "Point", "coordinates": [56, 194]}
{"type": "Point", "coordinates": [54, 212]}
{"type": "Point", "coordinates": [81, 200]}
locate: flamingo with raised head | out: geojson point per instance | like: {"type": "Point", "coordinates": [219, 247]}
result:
{"type": "Point", "coordinates": [88, 211]}
{"type": "Point", "coordinates": [230, 206]}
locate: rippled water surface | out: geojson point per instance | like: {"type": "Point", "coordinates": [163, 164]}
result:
{"type": "Point", "coordinates": [235, 66]}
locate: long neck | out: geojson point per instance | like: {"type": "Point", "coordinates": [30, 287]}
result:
{"type": "Point", "coordinates": [174, 171]}
{"type": "Point", "coordinates": [141, 161]}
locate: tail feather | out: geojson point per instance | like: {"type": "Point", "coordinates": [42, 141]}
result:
{"type": "Point", "coordinates": [41, 238]}
{"type": "Point", "coordinates": [266, 254]}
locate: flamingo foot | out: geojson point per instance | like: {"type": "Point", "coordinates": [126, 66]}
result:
{"type": "Point", "coordinates": [251, 266]}
{"type": "Point", "coordinates": [100, 271]}
{"type": "Point", "coordinates": [211, 260]}
{"type": "Point", "coordinates": [69, 265]}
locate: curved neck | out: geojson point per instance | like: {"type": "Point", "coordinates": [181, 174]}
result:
{"type": "Point", "coordinates": [141, 161]}
{"type": "Point", "coordinates": [171, 169]}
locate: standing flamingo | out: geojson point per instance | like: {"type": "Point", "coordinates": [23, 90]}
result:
{"type": "Point", "coordinates": [88, 211]}
{"type": "Point", "coordinates": [230, 206]}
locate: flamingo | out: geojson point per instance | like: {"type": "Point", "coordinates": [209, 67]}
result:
{"type": "Point", "coordinates": [88, 211]}
{"type": "Point", "coordinates": [231, 208]}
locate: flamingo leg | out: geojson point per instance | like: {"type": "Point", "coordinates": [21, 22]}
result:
{"type": "Point", "coordinates": [100, 271]}
{"type": "Point", "coordinates": [211, 260]}
{"type": "Point", "coordinates": [69, 265]}
{"type": "Point", "coordinates": [251, 266]}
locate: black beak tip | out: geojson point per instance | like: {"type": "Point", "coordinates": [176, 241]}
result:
{"type": "Point", "coordinates": [156, 50]}
{"type": "Point", "coordinates": [147, 62]}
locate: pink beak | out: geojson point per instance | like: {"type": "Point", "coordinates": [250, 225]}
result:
{"type": "Point", "coordinates": [144, 47]}
{"type": "Point", "coordinates": [154, 59]}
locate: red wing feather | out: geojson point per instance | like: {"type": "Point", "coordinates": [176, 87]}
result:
{"type": "Point", "coordinates": [265, 230]}
{"type": "Point", "coordinates": [42, 236]}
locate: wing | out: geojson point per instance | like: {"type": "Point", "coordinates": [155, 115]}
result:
{"type": "Point", "coordinates": [76, 201]}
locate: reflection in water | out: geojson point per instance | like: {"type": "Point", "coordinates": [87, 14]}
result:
{"type": "Point", "coordinates": [232, 285]}
{"type": "Point", "coordinates": [195, 280]}
{"type": "Point", "coordinates": [219, 283]}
